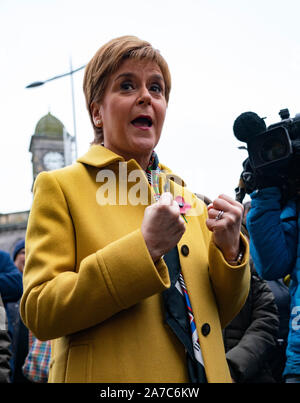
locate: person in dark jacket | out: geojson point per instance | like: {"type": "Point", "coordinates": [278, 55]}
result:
{"type": "Point", "coordinates": [11, 289]}
{"type": "Point", "coordinates": [5, 353]}
{"type": "Point", "coordinates": [281, 293]}
{"type": "Point", "coordinates": [19, 330]}
{"type": "Point", "coordinates": [274, 228]}
{"type": "Point", "coordinates": [250, 339]}
{"type": "Point", "coordinates": [12, 306]}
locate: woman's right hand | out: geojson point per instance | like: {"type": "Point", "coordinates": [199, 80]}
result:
{"type": "Point", "coordinates": [162, 226]}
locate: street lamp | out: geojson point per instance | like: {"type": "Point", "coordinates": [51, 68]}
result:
{"type": "Point", "coordinates": [69, 73]}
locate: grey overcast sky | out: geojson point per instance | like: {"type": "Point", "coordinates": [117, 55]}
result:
{"type": "Point", "coordinates": [225, 56]}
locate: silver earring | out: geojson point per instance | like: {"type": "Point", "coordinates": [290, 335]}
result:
{"type": "Point", "coordinates": [98, 122]}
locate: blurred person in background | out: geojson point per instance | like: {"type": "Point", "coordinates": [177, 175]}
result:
{"type": "Point", "coordinates": [281, 293]}
{"type": "Point", "coordinates": [11, 289]}
{"type": "Point", "coordinates": [273, 223]}
{"type": "Point", "coordinates": [18, 255]}
{"type": "Point", "coordinates": [31, 357]}
{"type": "Point", "coordinates": [5, 353]}
{"type": "Point", "coordinates": [251, 337]}
{"type": "Point", "coordinates": [19, 330]}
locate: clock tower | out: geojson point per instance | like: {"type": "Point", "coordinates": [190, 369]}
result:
{"type": "Point", "coordinates": [51, 146]}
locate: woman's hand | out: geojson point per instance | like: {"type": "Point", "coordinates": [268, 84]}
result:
{"type": "Point", "coordinates": [162, 226]}
{"type": "Point", "coordinates": [226, 226]}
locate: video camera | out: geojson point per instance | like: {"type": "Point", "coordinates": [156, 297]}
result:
{"type": "Point", "coordinates": [274, 153]}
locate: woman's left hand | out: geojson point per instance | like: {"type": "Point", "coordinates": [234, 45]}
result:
{"type": "Point", "coordinates": [224, 220]}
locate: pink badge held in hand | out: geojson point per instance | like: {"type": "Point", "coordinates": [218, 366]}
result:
{"type": "Point", "coordinates": [183, 206]}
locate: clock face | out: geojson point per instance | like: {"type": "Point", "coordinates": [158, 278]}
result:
{"type": "Point", "coordinates": [53, 160]}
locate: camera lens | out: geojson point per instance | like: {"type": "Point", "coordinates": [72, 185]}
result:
{"type": "Point", "coordinates": [273, 149]}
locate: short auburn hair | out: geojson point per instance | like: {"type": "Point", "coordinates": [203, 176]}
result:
{"type": "Point", "coordinates": [107, 60]}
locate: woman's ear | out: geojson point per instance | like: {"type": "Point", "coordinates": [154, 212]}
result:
{"type": "Point", "coordinates": [96, 114]}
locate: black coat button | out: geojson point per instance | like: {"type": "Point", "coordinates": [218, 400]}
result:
{"type": "Point", "coordinates": [185, 250]}
{"type": "Point", "coordinates": [205, 329]}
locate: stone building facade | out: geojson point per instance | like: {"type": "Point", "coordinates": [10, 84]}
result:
{"type": "Point", "coordinates": [51, 148]}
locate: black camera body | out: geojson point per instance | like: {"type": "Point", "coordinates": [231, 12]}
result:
{"type": "Point", "coordinates": [273, 149]}
{"type": "Point", "coordinates": [274, 153]}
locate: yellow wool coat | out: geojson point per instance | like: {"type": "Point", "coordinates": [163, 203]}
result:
{"type": "Point", "coordinates": [91, 286]}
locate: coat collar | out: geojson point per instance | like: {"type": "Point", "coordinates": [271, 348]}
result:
{"type": "Point", "coordinates": [99, 157]}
